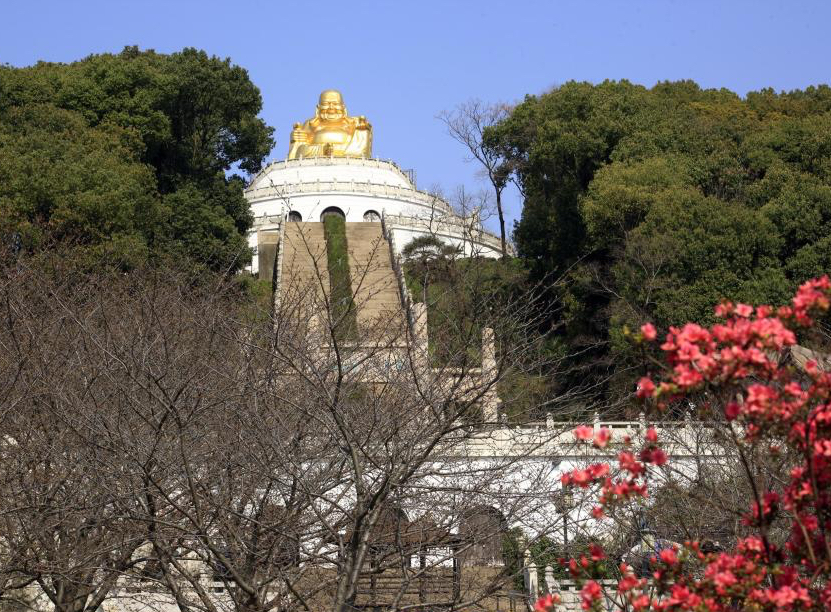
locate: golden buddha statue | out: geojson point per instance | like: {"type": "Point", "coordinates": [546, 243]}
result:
{"type": "Point", "coordinates": [331, 132]}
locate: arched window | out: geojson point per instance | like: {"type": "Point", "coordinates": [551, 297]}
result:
{"type": "Point", "coordinates": [295, 217]}
{"type": "Point", "coordinates": [482, 528]}
{"type": "Point", "coordinates": [332, 210]}
{"type": "Point", "coordinates": [372, 216]}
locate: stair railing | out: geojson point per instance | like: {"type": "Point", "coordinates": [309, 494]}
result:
{"type": "Point", "coordinates": [395, 258]}
{"type": "Point", "coordinates": [278, 276]}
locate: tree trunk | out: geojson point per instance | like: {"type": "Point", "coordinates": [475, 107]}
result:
{"type": "Point", "coordinates": [501, 223]}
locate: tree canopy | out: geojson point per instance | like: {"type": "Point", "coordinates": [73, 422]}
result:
{"type": "Point", "coordinates": [655, 203]}
{"type": "Point", "coordinates": [128, 154]}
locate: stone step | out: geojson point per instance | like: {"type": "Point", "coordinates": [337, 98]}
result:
{"type": "Point", "coordinates": [374, 283]}
{"type": "Point", "coordinates": [305, 273]}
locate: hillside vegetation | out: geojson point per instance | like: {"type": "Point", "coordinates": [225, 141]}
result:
{"type": "Point", "coordinates": [656, 203]}
{"type": "Point", "coordinates": [125, 156]}
{"type": "Point", "coordinates": [340, 279]}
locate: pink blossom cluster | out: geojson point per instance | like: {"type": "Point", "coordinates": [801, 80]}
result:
{"type": "Point", "coordinates": [630, 483]}
{"type": "Point", "coordinates": [785, 408]}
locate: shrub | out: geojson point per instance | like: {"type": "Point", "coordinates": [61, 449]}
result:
{"type": "Point", "coordinates": [775, 407]}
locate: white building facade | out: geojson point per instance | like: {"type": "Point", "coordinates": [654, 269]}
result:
{"type": "Point", "coordinates": [362, 190]}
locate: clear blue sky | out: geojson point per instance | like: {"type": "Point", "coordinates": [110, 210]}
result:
{"type": "Point", "coordinates": [401, 63]}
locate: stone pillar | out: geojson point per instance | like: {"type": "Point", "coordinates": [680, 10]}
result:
{"type": "Point", "coordinates": [267, 253]}
{"type": "Point", "coordinates": [490, 401]}
{"type": "Point", "coordinates": [421, 353]}
{"type": "Point", "coordinates": [550, 583]}
{"type": "Point", "coordinates": [532, 587]}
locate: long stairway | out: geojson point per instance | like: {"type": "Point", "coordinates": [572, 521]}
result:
{"type": "Point", "coordinates": [304, 278]}
{"type": "Point", "coordinates": [305, 274]}
{"type": "Point", "coordinates": [374, 285]}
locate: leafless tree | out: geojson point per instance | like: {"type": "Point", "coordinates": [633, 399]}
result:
{"type": "Point", "coordinates": [467, 124]}
{"type": "Point", "coordinates": [160, 440]}
{"type": "Point", "coordinates": [65, 521]}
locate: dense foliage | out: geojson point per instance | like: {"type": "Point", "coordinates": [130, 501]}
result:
{"type": "Point", "coordinates": [344, 314]}
{"type": "Point", "coordinates": [460, 293]}
{"type": "Point", "coordinates": [126, 155]}
{"type": "Point", "coordinates": [656, 203]}
{"type": "Point", "coordinates": [462, 296]}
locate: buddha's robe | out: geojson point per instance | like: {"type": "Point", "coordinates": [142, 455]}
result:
{"type": "Point", "coordinates": [346, 137]}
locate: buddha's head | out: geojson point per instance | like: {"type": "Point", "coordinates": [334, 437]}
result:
{"type": "Point", "coordinates": [330, 106]}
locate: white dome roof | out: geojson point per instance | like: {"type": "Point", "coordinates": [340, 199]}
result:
{"type": "Point", "coordinates": [325, 170]}
{"type": "Point", "coordinates": [362, 190]}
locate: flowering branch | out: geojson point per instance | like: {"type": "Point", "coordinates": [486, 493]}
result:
{"type": "Point", "coordinates": [770, 400]}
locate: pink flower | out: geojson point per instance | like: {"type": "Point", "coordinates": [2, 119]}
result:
{"type": "Point", "coordinates": [581, 478]}
{"type": "Point", "coordinates": [584, 432]}
{"type": "Point", "coordinates": [823, 448]}
{"type": "Point", "coordinates": [724, 580]}
{"type": "Point", "coordinates": [598, 470]}
{"type": "Point", "coordinates": [590, 593]}
{"type": "Point", "coordinates": [546, 603]}
{"type": "Point", "coordinates": [655, 456]}
{"type": "Point", "coordinates": [649, 332]}
{"type": "Point", "coordinates": [811, 295]}
{"type": "Point", "coordinates": [724, 310]}
{"type": "Point", "coordinates": [752, 543]}
{"type": "Point", "coordinates": [629, 463]}
{"type": "Point", "coordinates": [628, 582]}
{"type": "Point", "coordinates": [787, 596]}
{"type": "Point", "coordinates": [685, 376]}
{"type": "Point", "coordinates": [681, 596]}
{"type": "Point", "coordinates": [669, 557]}
{"type": "Point", "coordinates": [646, 388]}
{"type": "Point", "coordinates": [776, 402]}
{"type": "Point", "coordinates": [602, 437]}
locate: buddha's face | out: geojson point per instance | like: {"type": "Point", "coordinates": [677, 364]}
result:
{"type": "Point", "coordinates": [330, 106]}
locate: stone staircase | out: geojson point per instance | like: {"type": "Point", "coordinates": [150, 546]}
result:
{"type": "Point", "coordinates": [305, 274]}
{"type": "Point", "coordinates": [304, 277]}
{"type": "Point", "coordinates": [374, 285]}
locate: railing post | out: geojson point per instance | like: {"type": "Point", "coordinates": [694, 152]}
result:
{"type": "Point", "coordinates": [490, 400]}
{"type": "Point", "coordinates": [421, 337]}
{"type": "Point", "coordinates": [530, 577]}
{"type": "Point", "coordinates": [550, 583]}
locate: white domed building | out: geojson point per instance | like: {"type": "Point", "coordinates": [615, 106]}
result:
{"type": "Point", "coordinates": [316, 180]}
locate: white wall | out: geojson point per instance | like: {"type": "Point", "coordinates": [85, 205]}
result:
{"type": "Point", "coordinates": [357, 186]}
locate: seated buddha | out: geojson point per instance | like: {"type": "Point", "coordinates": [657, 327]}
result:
{"type": "Point", "coordinates": [331, 132]}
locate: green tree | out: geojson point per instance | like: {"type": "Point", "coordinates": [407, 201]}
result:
{"type": "Point", "coordinates": [653, 204]}
{"type": "Point", "coordinates": [428, 257]}
{"type": "Point", "coordinates": [188, 117]}
{"type": "Point", "coordinates": [63, 180]}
